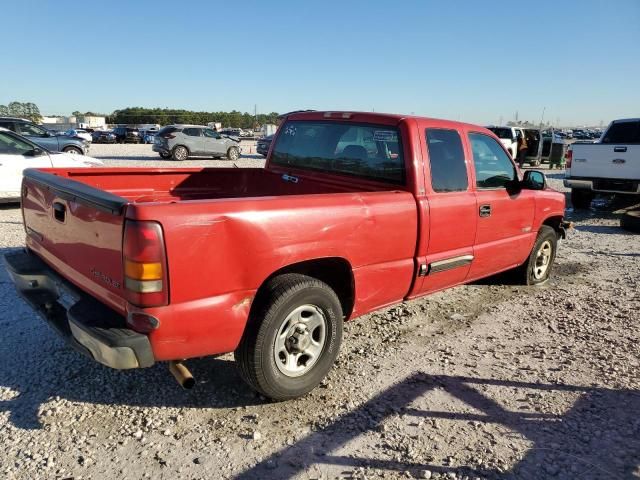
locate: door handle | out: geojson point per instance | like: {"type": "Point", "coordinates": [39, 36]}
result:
{"type": "Point", "coordinates": [485, 210]}
{"type": "Point", "coordinates": [619, 149]}
{"type": "Point", "coordinates": [59, 211]}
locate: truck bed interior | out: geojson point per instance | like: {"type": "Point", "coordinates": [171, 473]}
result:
{"type": "Point", "coordinates": [170, 185]}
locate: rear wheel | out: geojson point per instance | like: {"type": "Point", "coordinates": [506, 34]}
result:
{"type": "Point", "coordinates": [73, 150]}
{"type": "Point", "coordinates": [292, 337]}
{"type": "Point", "coordinates": [581, 198]}
{"type": "Point", "coordinates": [537, 268]}
{"type": "Point", "coordinates": [180, 153]}
{"type": "Point", "coordinates": [233, 154]}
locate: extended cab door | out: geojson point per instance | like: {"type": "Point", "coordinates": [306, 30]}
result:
{"type": "Point", "coordinates": [448, 217]}
{"type": "Point", "coordinates": [505, 215]}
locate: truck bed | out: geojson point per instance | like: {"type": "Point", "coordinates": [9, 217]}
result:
{"type": "Point", "coordinates": [213, 221]}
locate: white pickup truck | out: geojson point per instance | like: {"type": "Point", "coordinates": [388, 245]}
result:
{"type": "Point", "coordinates": [611, 165]}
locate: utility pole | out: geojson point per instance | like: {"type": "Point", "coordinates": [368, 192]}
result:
{"type": "Point", "coordinates": [542, 117]}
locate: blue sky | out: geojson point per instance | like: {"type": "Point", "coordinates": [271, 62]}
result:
{"type": "Point", "coordinates": [477, 61]}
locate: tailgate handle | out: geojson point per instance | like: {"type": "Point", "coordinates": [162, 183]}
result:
{"type": "Point", "coordinates": [619, 149]}
{"type": "Point", "coordinates": [59, 211]}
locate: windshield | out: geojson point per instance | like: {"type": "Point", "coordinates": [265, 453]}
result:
{"type": "Point", "coordinates": [363, 150]}
{"type": "Point", "coordinates": [502, 132]}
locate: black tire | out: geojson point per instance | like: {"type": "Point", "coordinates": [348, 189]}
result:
{"type": "Point", "coordinates": [256, 354]}
{"type": "Point", "coordinates": [581, 198]}
{"type": "Point", "coordinates": [529, 273]}
{"type": "Point", "coordinates": [180, 153]}
{"type": "Point", "coordinates": [631, 221]}
{"type": "Point", "coordinates": [73, 150]}
{"type": "Point", "coordinates": [165, 155]}
{"type": "Point", "coordinates": [233, 153]}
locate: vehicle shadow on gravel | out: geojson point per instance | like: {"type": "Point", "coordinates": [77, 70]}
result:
{"type": "Point", "coordinates": [597, 437]}
{"type": "Point", "coordinates": [68, 375]}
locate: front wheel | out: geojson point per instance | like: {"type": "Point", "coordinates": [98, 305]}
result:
{"type": "Point", "coordinates": [537, 268]}
{"type": "Point", "coordinates": [72, 150]}
{"type": "Point", "coordinates": [292, 338]}
{"type": "Point", "coordinates": [233, 154]}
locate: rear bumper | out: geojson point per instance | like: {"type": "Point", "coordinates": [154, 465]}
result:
{"type": "Point", "coordinates": [87, 325]}
{"type": "Point", "coordinates": [605, 185]}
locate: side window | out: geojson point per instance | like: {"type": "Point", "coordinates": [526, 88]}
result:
{"type": "Point", "coordinates": [8, 125]}
{"type": "Point", "coordinates": [493, 167]}
{"type": "Point", "coordinates": [33, 130]}
{"type": "Point", "coordinates": [10, 145]}
{"type": "Point", "coordinates": [191, 132]}
{"type": "Point", "coordinates": [210, 133]}
{"type": "Point", "coordinates": [446, 159]}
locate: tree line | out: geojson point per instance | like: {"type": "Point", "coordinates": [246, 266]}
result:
{"type": "Point", "coordinates": [167, 116]}
{"type": "Point", "coordinates": [22, 110]}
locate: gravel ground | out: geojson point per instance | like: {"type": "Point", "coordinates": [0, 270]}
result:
{"type": "Point", "coordinates": [488, 380]}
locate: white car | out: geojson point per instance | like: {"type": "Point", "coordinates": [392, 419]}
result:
{"type": "Point", "coordinates": [18, 153]}
{"type": "Point", "coordinates": [79, 132]}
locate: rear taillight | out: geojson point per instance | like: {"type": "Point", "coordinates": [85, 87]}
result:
{"type": "Point", "coordinates": [567, 158]}
{"type": "Point", "coordinates": [145, 264]}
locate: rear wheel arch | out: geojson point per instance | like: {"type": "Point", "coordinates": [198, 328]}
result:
{"type": "Point", "coordinates": [336, 272]}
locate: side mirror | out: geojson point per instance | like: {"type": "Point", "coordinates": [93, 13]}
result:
{"type": "Point", "coordinates": [534, 180]}
{"type": "Point", "coordinates": [36, 152]}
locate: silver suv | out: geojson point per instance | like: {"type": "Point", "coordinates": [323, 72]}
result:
{"type": "Point", "coordinates": [182, 141]}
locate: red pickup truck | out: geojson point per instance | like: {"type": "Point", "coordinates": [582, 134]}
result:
{"type": "Point", "coordinates": [353, 212]}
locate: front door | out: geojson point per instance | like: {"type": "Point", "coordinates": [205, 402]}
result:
{"type": "Point", "coordinates": [15, 156]}
{"type": "Point", "coordinates": [449, 218]}
{"type": "Point", "coordinates": [505, 215]}
{"type": "Point", "coordinates": [213, 143]}
{"type": "Point", "coordinates": [38, 135]}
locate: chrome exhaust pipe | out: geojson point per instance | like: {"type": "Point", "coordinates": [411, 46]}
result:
{"type": "Point", "coordinates": [182, 375]}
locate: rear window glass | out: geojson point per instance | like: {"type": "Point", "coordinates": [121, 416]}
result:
{"type": "Point", "coordinates": [364, 150]}
{"type": "Point", "coordinates": [446, 158]}
{"type": "Point", "coordinates": [192, 132]}
{"type": "Point", "coordinates": [623, 132]}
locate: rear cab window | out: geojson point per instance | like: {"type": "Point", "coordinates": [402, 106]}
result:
{"type": "Point", "coordinates": [368, 151]}
{"type": "Point", "coordinates": [446, 160]}
{"type": "Point", "coordinates": [623, 132]}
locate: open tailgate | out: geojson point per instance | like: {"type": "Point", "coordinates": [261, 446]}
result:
{"type": "Point", "coordinates": [77, 229]}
